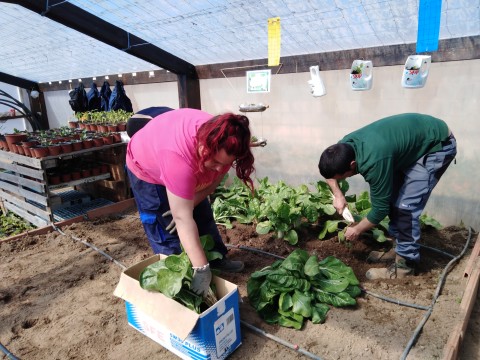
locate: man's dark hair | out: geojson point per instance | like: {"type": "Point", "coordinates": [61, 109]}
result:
{"type": "Point", "coordinates": [335, 160]}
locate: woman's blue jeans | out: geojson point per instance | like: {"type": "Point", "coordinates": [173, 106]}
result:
{"type": "Point", "coordinates": [152, 203]}
{"type": "Point", "coordinates": [412, 190]}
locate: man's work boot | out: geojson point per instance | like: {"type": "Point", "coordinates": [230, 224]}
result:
{"type": "Point", "coordinates": [226, 265]}
{"type": "Point", "coordinates": [381, 256]}
{"type": "Point", "coordinates": [399, 269]}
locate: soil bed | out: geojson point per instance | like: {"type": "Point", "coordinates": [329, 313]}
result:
{"type": "Point", "coordinates": [57, 303]}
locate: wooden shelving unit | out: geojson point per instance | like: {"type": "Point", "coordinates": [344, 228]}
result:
{"type": "Point", "coordinates": [25, 188]}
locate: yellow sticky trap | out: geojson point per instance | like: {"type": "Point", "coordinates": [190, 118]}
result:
{"type": "Point", "coordinates": [274, 41]}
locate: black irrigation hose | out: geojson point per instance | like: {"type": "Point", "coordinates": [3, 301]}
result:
{"type": "Point", "coordinates": [8, 353]}
{"type": "Point", "coordinates": [395, 301]}
{"type": "Point", "coordinates": [437, 251]}
{"type": "Point", "coordinates": [254, 250]}
{"type": "Point", "coordinates": [283, 342]}
{"type": "Point", "coordinates": [91, 246]}
{"type": "Point", "coordinates": [435, 297]}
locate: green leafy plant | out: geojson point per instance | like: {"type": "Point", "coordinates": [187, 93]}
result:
{"type": "Point", "coordinates": [357, 69]}
{"type": "Point", "coordinates": [283, 209]}
{"type": "Point", "coordinates": [359, 207]}
{"type": "Point", "coordinates": [301, 287]}
{"type": "Point", "coordinates": [12, 224]}
{"type": "Point", "coordinates": [172, 276]}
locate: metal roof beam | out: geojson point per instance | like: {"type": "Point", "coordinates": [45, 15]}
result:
{"type": "Point", "coordinates": [78, 19]}
{"type": "Point", "coordinates": [20, 82]}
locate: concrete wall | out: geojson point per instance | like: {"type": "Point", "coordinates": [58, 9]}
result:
{"type": "Point", "coordinates": [299, 127]}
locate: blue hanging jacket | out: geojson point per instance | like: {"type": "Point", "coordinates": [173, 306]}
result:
{"type": "Point", "coordinates": [93, 99]}
{"type": "Point", "coordinates": [105, 94]}
{"type": "Point", "coordinates": [119, 99]}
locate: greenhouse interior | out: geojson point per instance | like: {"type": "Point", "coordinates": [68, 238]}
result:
{"type": "Point", "coordinates": [87, 242]}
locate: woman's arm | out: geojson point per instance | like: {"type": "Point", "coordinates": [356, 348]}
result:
{"type": "Point", "coordinates": [182, 212]}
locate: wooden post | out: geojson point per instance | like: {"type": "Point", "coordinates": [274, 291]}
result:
{"type": "Point", "coordinates": [451, 349]}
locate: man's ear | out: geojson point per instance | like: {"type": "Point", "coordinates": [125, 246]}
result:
{"type": "Point", "coordinates": [353, 165]}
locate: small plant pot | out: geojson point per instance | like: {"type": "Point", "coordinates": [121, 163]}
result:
{"type": "Point", "coordinates": [4, 145]}
{"type": "Point", "coordinates": [122, 127]}
{"type": "Point", "coordinates": [95, 171]}
{"type": "Point", "coordinates": [54, 150]}
{"type": "Point", "coordinates": [107, 140]}
{"type": "Point", "coordinates": [112, 128]}
{"type": "Point", "coordinates": [66, 147]}
{"type": "Point", "coordinates": [102, 128]}
{"type": "Point", "coordinates": [54, 179]}
{"type": "Point", "coordinates": [19, 148]}
{"type": "Point", "coordinates": [97, 142]}
{"type": "Point", "coordinates": [15, 138]}
{"type": "Point", "coordinates": [77, 145]}
{"type": "Point", "coordinates": [87, 143]}
{"type": "Point", "coordinates": [67, 177]}
{"type": "Point", "coordinates": [30, 143]}
{"type": "Point", "coordinates": [82, 126]}
{"type": "Point", "coordinates": [39, 151]}
{"type": "Point", "coordinates": [86, 173]}
{"type": "Point", "coordinates": [73, 124]}
{"type": "Point", "coordinates": [117, 137]}
{"type": "Point", "coordinates": [27, 151]}
{"type": "Point", "coordinates": [76, 175]}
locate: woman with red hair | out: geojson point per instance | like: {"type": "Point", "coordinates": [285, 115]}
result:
{"type": "Point", "coordinates": [174, 162]}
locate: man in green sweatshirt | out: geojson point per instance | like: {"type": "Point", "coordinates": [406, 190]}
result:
{"type": "Point", "coordinates": [401, 157]}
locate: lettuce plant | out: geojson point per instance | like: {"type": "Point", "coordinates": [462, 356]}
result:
{"type": "Point", "coordinates": [301, 287]}
{"type": "Point", "coordinates": [172, 276]}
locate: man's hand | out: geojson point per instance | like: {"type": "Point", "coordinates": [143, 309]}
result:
{"type": "Point", "coordinates": [339, 203]}
{"type": "Point", "coordinates": [352, 233]}
{"type": "Point", "coordinates": [172, 227]}
{"type": "Point", "coordinates": [202, 276]}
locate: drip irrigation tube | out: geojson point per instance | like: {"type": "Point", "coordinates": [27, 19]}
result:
{"type": "Point", "coordinates": [280, 341]}
{"type": "Point", "coordinates": [7, 353]}
{"type": "Point", "coordinates": [435, 297]}
{"type": "Point", "coordinates": [437, 251]}
{"type": "Point", "coordinates": [91, 246]}
{"type": "Point", "coordinates": [395, 301]}
{"type": "Point", "coordinates": [254, 250]}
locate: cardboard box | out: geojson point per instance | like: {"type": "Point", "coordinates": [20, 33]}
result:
{"type": "Point", "coordinates": [213, 334]}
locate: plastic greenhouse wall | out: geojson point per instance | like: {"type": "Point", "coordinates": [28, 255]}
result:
{"type": "Point", "coordinates": [299, 126]}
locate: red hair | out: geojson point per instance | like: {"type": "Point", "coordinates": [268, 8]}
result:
{"type": "Point", "coordinates": [232, 133]}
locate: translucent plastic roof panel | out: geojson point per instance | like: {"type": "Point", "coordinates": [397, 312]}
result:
{"type": "Point", "coordinates": [205, 31]}
{"type": "Point", "coordinates": [214, 31]}
{"type": "Point", "coordinates": [39, 49]}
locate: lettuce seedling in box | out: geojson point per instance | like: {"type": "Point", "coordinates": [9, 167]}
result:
{"type": "Point", "coordinates": [172, 276]}
{"type": "Point", "coordinates": [301, 287]}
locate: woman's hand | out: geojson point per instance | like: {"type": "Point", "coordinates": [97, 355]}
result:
{"type": "Point", "coordinates": [202, 276]}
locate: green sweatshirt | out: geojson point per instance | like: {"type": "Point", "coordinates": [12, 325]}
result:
{"type": "Point", "coordinates": [387, 147]}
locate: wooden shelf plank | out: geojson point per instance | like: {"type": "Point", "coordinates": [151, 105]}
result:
{"type": "Point", "coordinates": [80, 181]}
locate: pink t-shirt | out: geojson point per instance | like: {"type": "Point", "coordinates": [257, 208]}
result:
{"type": "Point", "coordinates": [164, 152]}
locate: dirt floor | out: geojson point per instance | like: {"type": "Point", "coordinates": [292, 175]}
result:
{"type": "Point", "coordinates": [57, 303]}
